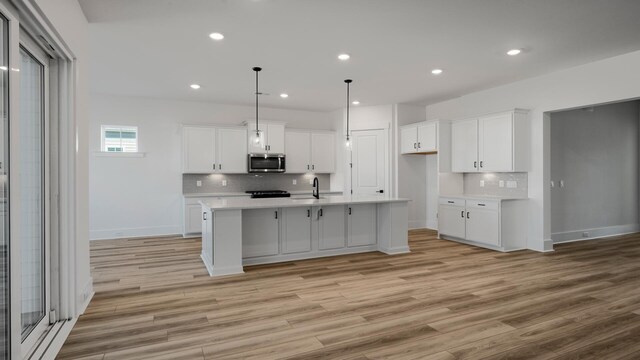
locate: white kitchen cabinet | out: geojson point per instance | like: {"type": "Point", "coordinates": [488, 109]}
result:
{"type": "Point", "coordinates": [198, 149]}
{"type": "Point", "coordinates": [492, 143]}
{"type": "Point", "coordinates": [361, 225]}
{"type": "Point", "coordinates": [464, 146]}
{"type": "Point", "coordinates": [232, 156]}
{"type": "Point", "coordinates": [310, 151]}
{"type": "Point", "coordinates": [209, 150]}
{"type": "Point", "coordinates": [331, 226]}
{"type": "Point", "coordinates": [193, 219]}
{"type": "Point", "coordinates": [260, 232]}
{"type": "Point", "coordinates": [273, 134]}
{"type": "Point", "coordinates": [296, 230]}
{"type": "Point", "coordinates": [297, 151]}
{"type": "Point", "coordinates": [419, 138]}
{"type": "Point", "coordinates": [499, 224]}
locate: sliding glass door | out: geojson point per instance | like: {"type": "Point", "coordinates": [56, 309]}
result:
{"type": "Point", "coordinates": [5, 300]}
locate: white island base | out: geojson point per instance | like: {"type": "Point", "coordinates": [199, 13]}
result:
{"type": "Point", "coordinates": [238, 232]}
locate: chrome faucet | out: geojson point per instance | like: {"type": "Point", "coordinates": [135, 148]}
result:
{"type": "Point", "coordinates": [316, 188]}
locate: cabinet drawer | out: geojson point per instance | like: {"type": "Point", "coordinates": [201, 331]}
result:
{"type": "Point", "coordinates": [489, 205]}
{"type": "Point", "coordinates": [451, 201]}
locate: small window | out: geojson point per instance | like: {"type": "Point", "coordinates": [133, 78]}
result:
{"type": "Point", "coordinates": [122, 139]}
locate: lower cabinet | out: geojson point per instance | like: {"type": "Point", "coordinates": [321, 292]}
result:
{"type": "Point", "coordinates": [192, 219]}
{"type": "Point", "coordinates": [296, 230]}
{"type": "Point", "coordinates": [331, 227]}
{"type": "Point", "coordinates": [361, 224]}
{"type": "Point", "coordinates": [260, 232]}
{"type": "Point", "coordinates": [496, 224]}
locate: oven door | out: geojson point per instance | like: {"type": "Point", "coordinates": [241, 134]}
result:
{"type": "Point", "coordinates": [266, 163]}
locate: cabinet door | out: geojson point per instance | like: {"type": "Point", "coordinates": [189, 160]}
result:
{"type": "Point", "coordinates": [361, 224]}
{"type": "Point", "coordinates": [252, 147]}
{"type": "Point", "coordinates": [482, 226]}
{"type": "Point", "coordinates": [323, 153]}
{"type": "Point", "coordinates": [408, 139]}
{"type": "Point", "coordinates": [451, 220]}
{"type": "Point", "coordinates": [464, 146]}
{"type": "Point", "coordinates": [193, 219]}
{"type": "Point", "coordinates": [232, 153]}
{"type": "Point", "coordinates": [198, 149]}
{"type": "Point", "coordinates": [427, 140]}
{"type": "Point", "coordinates": [296, 230]}
{"type": "Point", "coordinates": [331, 227]}
{"type": "Point", "coordinates": [260, 232]}
{"type": "Point", "coordinates": [496, 142]}
{"type": "Point", "coordinates": [298, 152]}
{"type": "Point", "coordinates": [275, 138]}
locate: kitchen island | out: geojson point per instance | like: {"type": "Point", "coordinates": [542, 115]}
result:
{"type": "Point", "coordinates": [244, 231]}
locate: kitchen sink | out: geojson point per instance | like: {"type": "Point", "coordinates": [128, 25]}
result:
{"type": "Point", "coordinates": [307, 198]}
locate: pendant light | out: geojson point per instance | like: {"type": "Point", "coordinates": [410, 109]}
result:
{"type": "Point", "coordinates": [348, 142]}
{"type": "Point", "coordinates": [258, 138]}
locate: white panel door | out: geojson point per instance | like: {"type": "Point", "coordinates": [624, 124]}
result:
{"type": "Point", "coordinates": [464, 146]}
{"type": "Point", "coordinates": [427, 140]}
{"type": "Point", "coordinates": [252, 147]}
{"type": "Point", "coordinates": [408, 139]}
{"type": "Point", "coordinates": [483, 226]}
{"type": "Point", "coordinates": [451, 220]}
{"type": "Point", "coordinates": [331, 226]}
{"type": "Point", "coordinates": [323, 153]}
{"type": "Point", "coordinates": [193, 219]}
{"type": "Point", "coordinates": [496, 142]}
{"type": "Point", "coordinates": [369, 162]}
{"type": "Point", "coordinates": [232, 153]}
{"type": "Point", "coordinates": [199, 149]}
{"type": "Point", "coordinates": [298, 152]}
{"type": "Point", "coordinates": [361, 222]}
{"type": "Point", "coordinates": [296, 230]}
{"type": "Point", "coordinates": [275, 138]}
{"type": "Point", "coordinates": [260, 232]}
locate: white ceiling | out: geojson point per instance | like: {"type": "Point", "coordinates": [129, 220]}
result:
{"type": "Point", "coordinates": [156, 48]}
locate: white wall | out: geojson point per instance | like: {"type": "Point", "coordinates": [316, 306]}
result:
{"type": "Point", "coordinates": [68, 20]}
{"type": "Point", "coordinates": [604, 81]}
{"type": "Point", "coordinates": [143, 196]}
{"type": "Point", "coordinates": [595, 153]}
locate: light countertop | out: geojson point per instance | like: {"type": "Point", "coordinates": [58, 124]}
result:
{"type": "Point", "coordinates": [483, 197]}
{"type": "Point", "coordinates": [248, 203]}
{"type": "Point", "coordinates": [236, 194]}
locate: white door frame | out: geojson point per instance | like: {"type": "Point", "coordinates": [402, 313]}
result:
{"type": "Point", "coordinates": [387, 160]}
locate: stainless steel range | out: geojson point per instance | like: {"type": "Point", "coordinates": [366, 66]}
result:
{"type": "Point", "coordinates": [261, 194]}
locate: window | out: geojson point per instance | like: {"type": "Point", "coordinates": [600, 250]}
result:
{"type": "Point", "coordinates": [119, 139]}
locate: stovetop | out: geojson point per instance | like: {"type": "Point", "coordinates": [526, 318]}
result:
{"type": "Point", "coordinates": [261, 194]}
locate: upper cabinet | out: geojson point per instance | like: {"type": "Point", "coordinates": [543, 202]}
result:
{"type": "Point", "coordinates": [273, 133]}
{"type": "Point", "coordinates": [492, 143]}
{"type": "Point", "coordinates": [419, 138]}
{"type": "Point", "coordinates": [209, 150]}
{"type": "Point", "coordinates": [310, 151]}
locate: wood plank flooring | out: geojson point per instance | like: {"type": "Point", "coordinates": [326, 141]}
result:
{"type": "Point", "coordinates": [444, 300]}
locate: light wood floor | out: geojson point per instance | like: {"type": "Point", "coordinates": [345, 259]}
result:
{"type": "Point", "coordinates": [442, 301]}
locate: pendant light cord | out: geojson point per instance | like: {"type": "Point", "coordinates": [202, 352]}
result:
{"type": "Point", "coordinates": [348, 81]}
{"type": "Point", "coordinates": [257, 69]}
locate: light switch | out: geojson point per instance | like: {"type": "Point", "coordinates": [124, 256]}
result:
{"type": "Point", "coordinates": [224, 182]}
{"type": "Point", "coordinates": [553, 184]}
{"type": "Point", "coordinates": [295, 182]}
{"type": "Point", "coordinates": [561, 183]}
{"type": "Point", "coordinates": [501, 183]}
{"type": "Point", "coordinates": [481, 183]}
{"type": "Point", "coordinates": [198, 183]}
{"type": "Point", "coordinates": [310, 181]}
{"type": "Point", "coordinates": [512, 184]}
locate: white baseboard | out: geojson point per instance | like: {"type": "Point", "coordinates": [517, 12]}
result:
{"type": "Point", "coordinates": [417, 224]}
{"type": "Point", "coordinates": [86, 296]}
{"type": "Point", "coordinates": [134, 232]}
{"type": "Point", "coordinates": [577, 235]}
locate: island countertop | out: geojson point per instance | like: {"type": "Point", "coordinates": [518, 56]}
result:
{"type": "Point", "coordinates": [248, 203]}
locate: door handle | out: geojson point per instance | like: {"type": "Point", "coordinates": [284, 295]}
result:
{"type": "Point", "coordinates": [467, 215]}
{"type": "Point", "coordinates": [450, 202]}
{"type": "Point", "coordinates": [380, 191]}
{"type": "Point", "coordinates": [307, 167]}
{"type": "Point", "coordinates": [480, 163]}
{"type": "Point", "coordinates": [219, 166]}
{"type": "Point", "coordinates": [214, 166]}
{"type": "Point", "coordinates": [321, 212]}
{"type": "Point", "coordinates": [415, 146]}
{"type": "Point", "coordinates": [419, 146]}
{"type": "Point", "coordinates": [475, 164]}
{"type": "Point", "coordinates": [462, 214]}
{"type": "Point", "coordinates": [349, 211]}
{"type": "Point", "coordinates": [308, 213]}
{"type": "Point", "coordinates": [276, 212]}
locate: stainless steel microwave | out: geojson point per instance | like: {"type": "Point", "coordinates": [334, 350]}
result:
{"type": "Point", "coordinates": [266, 163]}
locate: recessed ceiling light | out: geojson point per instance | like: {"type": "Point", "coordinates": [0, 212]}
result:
{"type": "Point", "coordinates": [284, 96]}
{"type": "Point", "coordinates": [356, 102]}
{"type": "Point", "coordinates": [195, 86]}
{"type": "Point", "coordinates": [514, 52]}
{"type": "Point", "coordinates": [15, 69]}
{"type": "Point", "coordinates": [436, 71]}
{"type": "Point", "coordinates": [216, 36]}
{"type": "Point", "coordinates": [4, 68]}
{"type": "Point", "coordinates": [344, 57]}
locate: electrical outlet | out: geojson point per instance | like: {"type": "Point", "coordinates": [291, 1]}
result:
{"type": "Point", "coordinates": [481, 183]}
{"type": "Point", "coordinates": [501, 183]}
{"type": "Point", "coordinates": [295, 182]}
{"type": "Point", "coordinates": [224, 182]}
{"type": "Point", "coordinates": [310, 181]}
{"type": "Point", "coordinates": [198, 183]}
{"type": "Point", "coordinates": [512, 184]}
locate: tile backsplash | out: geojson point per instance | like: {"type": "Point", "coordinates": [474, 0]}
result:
{"type": "Point", "coordinates": [492, 181]}
{"type": "Point", "coordinates": [212, 183]}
